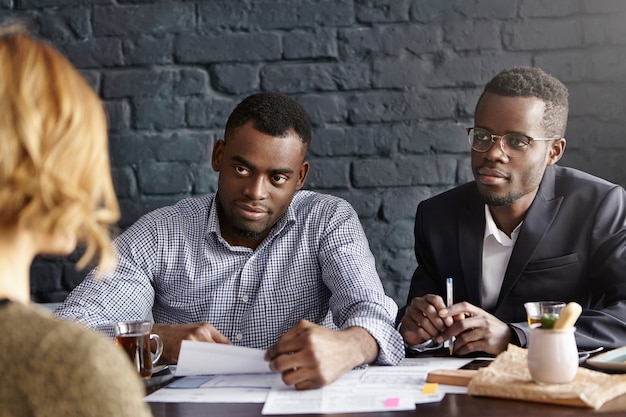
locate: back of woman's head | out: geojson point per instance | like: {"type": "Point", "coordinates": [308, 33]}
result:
{"type": "Point", "coordinates": [54, 165]}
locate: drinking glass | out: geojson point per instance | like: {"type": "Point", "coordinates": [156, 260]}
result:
{"type": "Point", "coordinates": [535, 309]}
{"type": "Point", "coordinates": [134, 337]}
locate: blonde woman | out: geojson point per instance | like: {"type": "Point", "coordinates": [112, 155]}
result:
{"type": "Point", "coordinates": [55, 191]}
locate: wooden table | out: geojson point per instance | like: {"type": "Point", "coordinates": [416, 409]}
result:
{"type": "Point", "coordinates": [453, 405]}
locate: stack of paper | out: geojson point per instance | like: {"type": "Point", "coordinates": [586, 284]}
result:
{"type": "Point", "coordinates": [226, 373]}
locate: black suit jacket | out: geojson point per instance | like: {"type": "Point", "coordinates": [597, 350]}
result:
{"type": "Point", "coordinates": [571, 247]}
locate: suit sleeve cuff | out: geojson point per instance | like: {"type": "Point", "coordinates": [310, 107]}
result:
{"type": "Point", "coordinates": [519, 336]}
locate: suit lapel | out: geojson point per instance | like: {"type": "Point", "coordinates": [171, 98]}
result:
{"type": "Point", "coordinates": [471, 232]}
{"type": "Point", "coordinates": [537, 222]}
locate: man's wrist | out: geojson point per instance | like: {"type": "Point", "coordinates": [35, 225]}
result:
{"type": "Point", "coordinates": [425, 346]}
{"type": "Point", "coordinates": [367, 345]}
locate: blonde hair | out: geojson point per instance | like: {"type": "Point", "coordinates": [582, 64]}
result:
{"type": "Point", "coordinates": [54, 164]}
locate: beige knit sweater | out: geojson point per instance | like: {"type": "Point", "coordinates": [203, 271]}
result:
{"type": "Point", "coordinates": [50, 367]}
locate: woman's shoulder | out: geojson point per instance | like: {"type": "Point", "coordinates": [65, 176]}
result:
{"type": "Point", "coordinates": [72, 363]}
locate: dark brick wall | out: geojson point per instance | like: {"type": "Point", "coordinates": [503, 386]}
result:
{"type": "Point", "coordinates": [390, 84]}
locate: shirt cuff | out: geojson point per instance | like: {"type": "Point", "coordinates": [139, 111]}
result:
{"type": "Point", "coordinates": [390, 344]}
{"type": "Point", "coordinates": [424, 346]}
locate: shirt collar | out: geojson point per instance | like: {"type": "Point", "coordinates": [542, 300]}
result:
{"type": "Point", "coordinates": [491, 229]}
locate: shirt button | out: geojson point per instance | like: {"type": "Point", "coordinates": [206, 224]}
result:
{"type": "Point", "coordinates": [239, 336]}
{"type": "Point", "coordinates": [245, 298]}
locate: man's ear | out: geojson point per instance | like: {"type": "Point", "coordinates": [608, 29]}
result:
{"type": "Point", "coordinates": [218, 152]}
{"type": "Point", "coordinates": [556, 150]}
{"type": "Point", "coordinates": [302, 173]}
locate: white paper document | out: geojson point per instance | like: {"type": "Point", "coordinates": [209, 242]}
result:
{"type": "Point", "coordinates": [346, 395]}
{"type": "Point", "coordinates": [240, 388]}
{"type": "Point", "coordinates": [202, 358]}
{"type": "Point", "coordinates": [376, 388]}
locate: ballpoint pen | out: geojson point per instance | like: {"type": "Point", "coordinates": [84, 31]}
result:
{"type": "Point", "coordinates": [449, 302]}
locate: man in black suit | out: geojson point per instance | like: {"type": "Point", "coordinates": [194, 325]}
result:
{"type": "Point", "coordinates": [524, 230]}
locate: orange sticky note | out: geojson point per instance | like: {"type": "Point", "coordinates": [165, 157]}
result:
{"type": "Point", "coordinates": [430, 388]}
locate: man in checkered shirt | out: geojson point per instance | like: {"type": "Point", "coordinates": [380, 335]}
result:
{"type": "Point", "coordinates": [262, 263]}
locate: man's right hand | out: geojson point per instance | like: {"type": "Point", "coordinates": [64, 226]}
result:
{"type": "Point", "coordinates": [174, 334]}
{"type": "Point", "coordinates": [421, 321]}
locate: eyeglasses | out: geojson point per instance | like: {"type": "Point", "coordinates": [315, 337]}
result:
{"type": "Point", "coordinates": [513, 145]}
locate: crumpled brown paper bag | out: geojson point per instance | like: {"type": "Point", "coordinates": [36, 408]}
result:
{"type": "Point", "coordinates": [508, 377]}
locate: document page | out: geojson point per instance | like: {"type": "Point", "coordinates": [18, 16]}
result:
{"type": "Point", "coordinates": [375, 388]}
{"type": "Point", "coordinates": [202, 358]}
{"type": "Point", "coordinates": [236, 388]}
{"type": "Point", "coordinates": [345, 395]}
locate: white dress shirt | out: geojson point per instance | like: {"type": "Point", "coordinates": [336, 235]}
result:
{"type": "Point", "coordinates": [497, 248]}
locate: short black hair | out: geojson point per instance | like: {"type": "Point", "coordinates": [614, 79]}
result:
{"type": "Point", "coordinates": [534, 82]}
{"type": "Point", "coordinates": [273, 114]}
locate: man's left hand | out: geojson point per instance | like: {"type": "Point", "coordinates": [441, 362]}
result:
{"type": "Point", "coordinates": [479, 331]}
{"type": "Point", "coordinates": [311, 356]}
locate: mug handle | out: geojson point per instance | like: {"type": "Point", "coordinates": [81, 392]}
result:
{"type": "Point", "coordinates": [159, 347]}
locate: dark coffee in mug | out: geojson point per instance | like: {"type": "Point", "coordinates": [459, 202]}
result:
{"type": "Point", "coordinates": [137, 347]}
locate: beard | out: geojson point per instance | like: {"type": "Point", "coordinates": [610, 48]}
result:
{"type": "Point", "coordinates": [237, 229]}
{"type": "Point", "coordinates": [495, 200]}
{"type": "Point", "coordinates": [506, 199]}
{"type": "Point", "coordinates": [527, 182]}
{"type": "Point", "coordinates": [247, 234]}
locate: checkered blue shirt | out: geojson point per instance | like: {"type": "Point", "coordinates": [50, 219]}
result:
{"type": "Point", "coordinates": [315, 264]}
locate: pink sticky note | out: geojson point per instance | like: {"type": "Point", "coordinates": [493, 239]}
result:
{"type": "Point", "coordinates": [392, 402]}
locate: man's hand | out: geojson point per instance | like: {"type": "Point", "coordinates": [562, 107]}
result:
{"type": "Point", "coordinates": [479, 331]}
{"type": "Point", "coordinates": [311, 356]}
{"type": "Point", "coordinates": [422, 322]}
{"type": "Point", "coordinates": [174, 334]}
